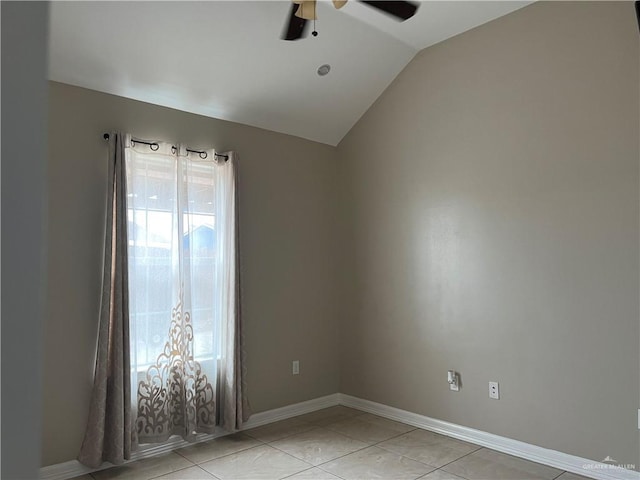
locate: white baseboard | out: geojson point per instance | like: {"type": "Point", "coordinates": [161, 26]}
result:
{"type": "Point", "coordinates": [73, 468]}
{"type": "Point", "coordinates": [294, 410]}
{"type": "Point", "coordinates": [562, 461]}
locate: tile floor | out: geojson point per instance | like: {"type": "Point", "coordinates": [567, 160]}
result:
{"type": "Point", "coordinates": [334, 443]}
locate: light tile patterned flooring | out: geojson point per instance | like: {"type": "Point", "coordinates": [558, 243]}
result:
{"type": "Point", "coordinates": [334, 443]}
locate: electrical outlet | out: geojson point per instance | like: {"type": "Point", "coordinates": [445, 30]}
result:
{"type": "Point", "coordinates": [454, 380]}
{"type": "Point", "coordinates": [296, 367]}
{"type": "Point", "coordinates": [494, 390]}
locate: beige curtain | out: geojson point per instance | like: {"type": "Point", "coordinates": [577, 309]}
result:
{"type": "Point", "coordinates": [109, 434]}
{"type": "Point", "coordinates": [234, 403]}
{"type": "Point", "coordinates": [186, 334]}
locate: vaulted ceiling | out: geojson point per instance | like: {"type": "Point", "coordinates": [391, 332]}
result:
{"type": "Point", "coordinates": [224, 59]}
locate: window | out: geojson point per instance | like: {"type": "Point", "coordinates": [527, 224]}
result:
{"type": "Point", "coordinates": [172, 247]}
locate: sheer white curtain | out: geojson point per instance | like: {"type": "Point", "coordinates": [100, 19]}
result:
{"type": "Point", "coordinates": [186, 349]}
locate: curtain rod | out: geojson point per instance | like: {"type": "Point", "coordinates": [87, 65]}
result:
{"type": "Point", "coordinates": [173, 147]}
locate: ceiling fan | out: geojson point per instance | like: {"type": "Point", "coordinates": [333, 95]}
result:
{"type": "Point", "coordinates": [304, 10]}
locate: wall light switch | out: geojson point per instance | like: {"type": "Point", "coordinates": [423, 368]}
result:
{"type": "Point", "coordinates": [296, 367]}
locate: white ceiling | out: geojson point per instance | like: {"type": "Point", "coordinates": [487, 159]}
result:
{"type": "Point", "coordinates": [225, 59]}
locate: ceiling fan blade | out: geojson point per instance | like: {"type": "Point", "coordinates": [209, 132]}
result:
{"type": "Point", "coordinates": [400, 10]}
{"type": "Point", "coordinates": [294, 28]}
{"type": "Point", "coordinates": [638, 12]}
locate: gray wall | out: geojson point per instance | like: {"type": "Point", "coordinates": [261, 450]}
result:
{"type": "Point", "coordinates": [493, 217]}
{"type": "Point", "coordinates": [24, 154]}
{"type": "Point", "coordinates": [287, 243]}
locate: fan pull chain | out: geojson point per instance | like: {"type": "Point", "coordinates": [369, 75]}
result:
{"type": "Point", "coordinates": [314, 33]}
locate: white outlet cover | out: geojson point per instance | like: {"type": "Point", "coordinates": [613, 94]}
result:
{"type": "Point", "coordinates": [296, 367]}
{"type": "Point", "coordinates": [494, 390]}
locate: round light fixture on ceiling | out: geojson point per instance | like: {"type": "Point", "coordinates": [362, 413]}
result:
{"type": "Point", "coordinates": [324, 69]}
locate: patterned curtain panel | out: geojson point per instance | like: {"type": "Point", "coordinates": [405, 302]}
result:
{"type": "Point", "coordinates": [170, 358]}
{"type": "Point", "coordinates": [109, 435]}
{"type": "Point", "coordinates": [186, 340]}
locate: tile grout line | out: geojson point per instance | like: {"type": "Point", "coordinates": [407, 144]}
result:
{"type": "Point", "coordinates": [464, 478]}
{"type": "Point", "coordinates": [453, 461]}
{"type": "Point", "coordinates": [221, 456]}
{"type": "Point", "coordinates": [296, 473]}
{"type": "Point", "coordinates": [251, 448]}
{"type": "Point", "coordinates": [292, 456]}
{"type": "Point", "coordinates": [331, 460]}
{"type": "Point", "coordinates": [328, 429]}
{"type": "Point", "coordinates": [420, 461]}
{"type": "Point", "coordinates": [178, 452]}
{"type": "Point", "coordinates": [269, 443]}
{"type": "Point", "coordinates": [330, 473]}
{"type": "Point", "coordinates": [421, 477]}
{"type": "Point", "coordinates": [174, 471]}
{"type": "Point", "coordinates": [369, 446]}
{"type": "Point", "coordinates": [281, 438]}
{"type": "Point", "coordinates": [149, 478]}
{"type": "Point", "coordinates": [364, 448]}
{"type": "Point", "coordinates": [376, 444]}
{"type": "Point", "coordinates": [232, 453]}
{"type": "Point", "coordinates": [262, 443]}
{"type": "Point", "coordinates": [214, 477]}
{"type": "Point", "coordinates": [491, 450]}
